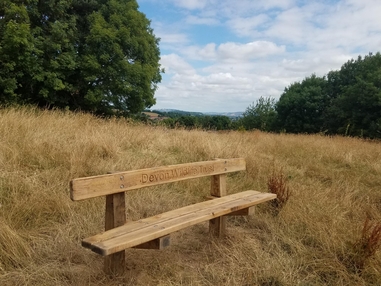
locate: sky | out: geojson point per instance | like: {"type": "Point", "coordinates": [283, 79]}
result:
{"type": "Point", "coordinates": [223, 55]}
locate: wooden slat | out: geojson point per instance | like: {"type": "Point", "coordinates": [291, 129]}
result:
{"type": "Point", "coordinates": [144, 230]}
{"type": "Point", "coordinates": [89, 187]}
{"type": "Point", "coordinates": [132, 226]}
{"type": "Point", "coordinates": [243, 212]}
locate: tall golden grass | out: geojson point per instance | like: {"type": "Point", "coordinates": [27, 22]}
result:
{"type": "Point", "coordinates": [335, 184]}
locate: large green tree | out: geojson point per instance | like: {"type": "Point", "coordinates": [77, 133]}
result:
{"type": "Point", "coordinates": [346, 102]}
{"type": "Point", "coordinates": [16, 49]}
{"type": "Point", "coordinates": [94, 55]}
{"type": "Point", "coordinates": [355, 98]}
{"type": "Point", "coordinates": [301, 107]}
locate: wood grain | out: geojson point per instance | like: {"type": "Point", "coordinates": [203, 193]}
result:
{"type": "Point", "coordinates": [217, 226]}
{"type": "Point", "coordinates": [139, 232]}
{"type": "Point", "coordinates": [115, 216]}
{"type": "Point", "coordinates": [90, 187]}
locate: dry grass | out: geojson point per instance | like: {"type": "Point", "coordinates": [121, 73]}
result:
{"type": "Point", "coordinates": [277, 184]}
{"type": "Point", "coordinates": [365, 247]}
{"type": "Point", "coordinates": [335, 183]}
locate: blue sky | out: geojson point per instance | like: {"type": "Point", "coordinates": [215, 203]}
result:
{"type": "Point", "coordinates": [222, 55]}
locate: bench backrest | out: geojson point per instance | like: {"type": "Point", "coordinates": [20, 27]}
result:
{"type": "Point", "coordinates": [95, 186]}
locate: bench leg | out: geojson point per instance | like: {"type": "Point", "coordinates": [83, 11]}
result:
{"type": "Point", "coordinates": [159, 243]}
{"type": "Point", "coordinates": [217, 225]}
{"type": "Point", "coordinates": [115, 264]}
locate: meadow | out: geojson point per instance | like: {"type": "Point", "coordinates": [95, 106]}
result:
{"type": "Point", "coordinates": [317, 238]}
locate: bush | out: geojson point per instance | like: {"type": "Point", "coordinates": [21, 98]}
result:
{"type": "Point", "coordinates": [277, 184]}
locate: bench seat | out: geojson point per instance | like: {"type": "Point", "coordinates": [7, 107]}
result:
{"type": "Point", "coordinates": [139, 232]}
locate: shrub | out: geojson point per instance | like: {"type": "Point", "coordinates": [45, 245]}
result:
{"type": "Point", "coordinates": [365, 247]}
{"type": "Point", "coordinates": [277, 184]}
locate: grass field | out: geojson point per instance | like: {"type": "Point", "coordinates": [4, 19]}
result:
{"type": "Point", "coordinates": [317, 238]}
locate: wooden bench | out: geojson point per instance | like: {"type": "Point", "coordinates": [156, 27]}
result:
{"type": "Point", "coordinates": [153, 232]}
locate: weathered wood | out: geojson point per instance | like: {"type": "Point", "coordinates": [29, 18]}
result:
{"type": "Point", "coordinates": [243, 212]}
{"type": "Point", "coordinates": [115, 216]}
{"type": "Point", "coordinates": [139, 232]}
{"type": "Point", "coordinates": [153, 232]}
{"type": "Point", "coordinates": [89, 187]}
{"type": "Point", "coordinates": [217, 225]}
{"type": "Point", "coordinates": [218, 186]}
{"type": "Point", "coordinates": [159, 243]}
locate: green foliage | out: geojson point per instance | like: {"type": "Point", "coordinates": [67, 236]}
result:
{"type": "Point", "coordinates": [188, 122]}
{"type": "Point", "coordinates": [174, 113]}
{"type": "Point", "coordinates": [191, 120]}
{"type": "Point", "coordinates": [216, 122]}
{"type": "Point", "coordinates": [302, 105]}
{"type": "Point", "coordinates": [355, 98]}
{"type": "Point", "coordinates": [99, 56]}
{"type": "Point", "coordinates": [261, 115]}
{"type": "Point", "coordinates": [16, 49]}
{"type": "Point", "coordinates": [346, 102]}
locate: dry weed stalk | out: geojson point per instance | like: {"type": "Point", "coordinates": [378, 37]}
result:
{"type": "Point", "coordinates": [277, 184]}
{"type": "Point", "coordinates": [366, 246]}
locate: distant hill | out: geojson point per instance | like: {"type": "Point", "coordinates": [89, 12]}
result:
{"type": "Point", "coordinates": [228, 114]}
{"type": "Point", "coordinates": [190, 113]}
{"type": "Point", "coordinates": [177, 112]}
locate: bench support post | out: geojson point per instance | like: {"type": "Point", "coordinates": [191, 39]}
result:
{"type": "Point", "coordinates": [218, 189]}
{"type": "Point", "coordinates": [115, 216]}
{"type": "Point", "coordinates": [159, 243]}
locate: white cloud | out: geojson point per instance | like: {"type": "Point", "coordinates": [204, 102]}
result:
{"type": "Point", "coordinates": [292, 26]}
{"type": "Point", "coordinates": [174, 64]}
{"type": "Point", "coordinates": [172, 38]}
{"type": "Point", "coordinates": [247, 26]}
{"type": "Point", "coordinates": [194, 20]}
{"type": "Point", "coordinates": [191, 90]}
{"type": "Point", "coordinates": [260, 48]}
{"type": "Point", "coordinates": [233, 52]}
{"type": "Point", "coordinates": [248, 51]}
{"type": "Point", "coordinates": [207, 53]}
{"type": "Point", "coordinates": [246, 8]}
{"type": "Point", "coordinates": [191, 4]}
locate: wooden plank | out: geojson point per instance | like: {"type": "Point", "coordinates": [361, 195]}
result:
{"type": "Point", "coordinates": [243, 212]}
{"type": "Point", "coordinates": [139, 232]}
{"type": "Point", "coordinates": [89, 187]}
{"type": "Point", "coordinates": [217, 225]}
{"type": "Point", "coordinates": [132, 226]}
{"type": "Point", "coordinates": [115, 216]}
{"type": "Point", "coordinates": [108, 243]}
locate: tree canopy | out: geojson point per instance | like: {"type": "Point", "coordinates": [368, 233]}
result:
{"type": "Point", "coordinates": [302, 105]}
{"type": "Point", "coordinates": [260, 115]}
{"type": "Point", "coordinates": [94, 55]}
{"type": "Point", "coordinates": [355, 98]}
{"type": "Point", "coordinates": [345, 102]}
